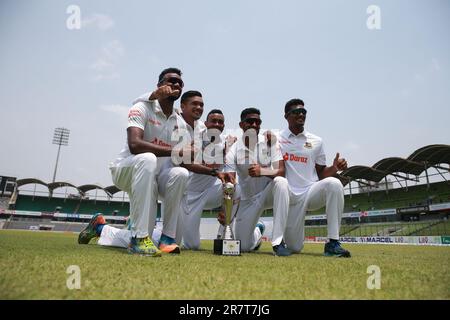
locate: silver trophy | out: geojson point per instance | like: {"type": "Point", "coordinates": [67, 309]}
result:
{"type": "Point", "coordinates": [227, 245]}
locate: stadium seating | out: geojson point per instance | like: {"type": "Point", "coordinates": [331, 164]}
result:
{"type": "Point", "coordinates": [66, 205]}
{"type": "Point", "coordinates": [396, 198]}
{"type": "Point", "coordinates": [4, 202]}
{"type": "Point", "coordinates": [429, 228]}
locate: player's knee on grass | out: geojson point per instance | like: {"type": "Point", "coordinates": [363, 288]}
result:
{"type": "Point", "coordinates": [296, 249]}
{"type": "Point", "coordinates": [191, 246]}
{"type": "Point", "coordinates": [246, 244]}
{"type": "Point", "coordinates": [294, 245]}
{"type": "Point", "coordinates": [190, 242]}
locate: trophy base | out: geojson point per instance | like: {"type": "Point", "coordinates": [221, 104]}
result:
{"type": "Point", "coordinates": [227, 247]}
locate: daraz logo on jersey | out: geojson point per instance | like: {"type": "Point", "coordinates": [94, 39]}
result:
{"type": "Point", "coordinates": [160, 142]}
{"type": "Point", "coordinates": [293, 157]}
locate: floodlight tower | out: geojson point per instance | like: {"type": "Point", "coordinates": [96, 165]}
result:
{"type": "Point", "coordinates": [61, 138]}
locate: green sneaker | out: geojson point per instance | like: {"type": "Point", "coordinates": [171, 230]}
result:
{"type": "Point", "coordinates": [143, 246]}
{"type": "Point", "coordinates": [89, 232]}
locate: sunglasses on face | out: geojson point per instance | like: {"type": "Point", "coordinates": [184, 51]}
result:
{"type": "Point", "coordinates": [173, 81]}
{"type": "Point", "coordinates": [253, 121]}
{"type": "Point", "coordinates": [297, 111]}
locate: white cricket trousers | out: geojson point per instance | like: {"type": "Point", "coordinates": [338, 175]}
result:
{"type": "Point", "coordinates": [143, 177]}
{"type": "Point", "coordinates": [115, 237]}
{"type": "Point", "coordinates": [328, 192]}
{"type": "Point", "coordinates": [275, 195]}
{"type": "Point", "coordinates": [193, 204]}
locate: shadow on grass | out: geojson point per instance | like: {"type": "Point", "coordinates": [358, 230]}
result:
{"type": "Point", "coordinates": [124, 250]}
{"type": "Point", "coordinates": [313, 254]}
{"type": "Point", "coordinates": [96, 246]}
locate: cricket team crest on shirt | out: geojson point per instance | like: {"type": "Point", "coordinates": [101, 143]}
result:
{"type": "Point", "coordinates": [308, 145]}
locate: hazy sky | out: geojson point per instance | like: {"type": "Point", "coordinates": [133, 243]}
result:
{"type": "Point", "coordinates": [370, 93]}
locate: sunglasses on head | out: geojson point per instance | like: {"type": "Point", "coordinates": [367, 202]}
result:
{"type": "Point", "coordinates": [253, 121]}
{"type": "Point", "coordinates": [173, 81]}
{"type": "Point", "coordinates": [297, 111]}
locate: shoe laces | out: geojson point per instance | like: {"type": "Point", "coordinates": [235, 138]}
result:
{"type": "Point", "coordinates": [148, 242]}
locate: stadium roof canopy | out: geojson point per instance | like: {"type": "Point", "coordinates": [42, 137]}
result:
{"type": "Point", "coordinates": [87, 187]}
{"type": "Point", "coordinates": [419, 161]}
{"type": "Point", "coordinates": [22, 182]}
{"type": "Point", "coordinates": [390, 165]}
{"type": "Point", "coordinates": [55, 185]}
{"type": "Point", "coordinates": [432, 154]}
{"type": "Point", "coordinates": [110, 191]}
{"type": "Point", "coordinates": [363, 172]}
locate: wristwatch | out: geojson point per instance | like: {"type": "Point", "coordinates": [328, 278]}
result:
{"type": "Point", "coordinates": [214, 172]}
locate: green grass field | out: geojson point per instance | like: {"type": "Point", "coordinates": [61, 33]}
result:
{"type": "Point", "coordinates": [34, 266]}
